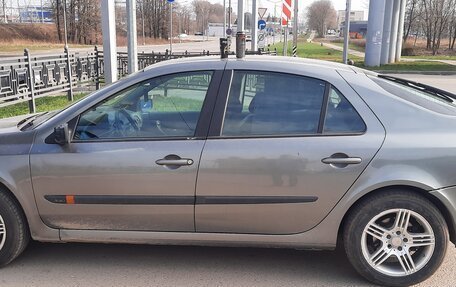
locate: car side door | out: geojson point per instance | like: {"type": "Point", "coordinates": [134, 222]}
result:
{"type": "Point", "coordinates": [284, 150]}
{"type": "Point", "coordinates": [133, 158]}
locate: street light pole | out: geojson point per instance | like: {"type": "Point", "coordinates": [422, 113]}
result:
{"type": "Point", "coordinates": [171, 28]}
{"type": "Point", "coordinates": [347, 31]}
{"type": "Point", "coordinates": [143, 25]}
{"type": "Point", "coordinates": [65, 24]}
{"type": "Point", "coordinates": [224, 18]}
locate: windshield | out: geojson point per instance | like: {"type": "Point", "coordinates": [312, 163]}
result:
{"type": "Point", "coordinates": [440, 103]}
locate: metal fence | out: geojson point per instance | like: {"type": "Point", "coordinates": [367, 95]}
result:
{"type": "Point", "coordinates": [27, 78]}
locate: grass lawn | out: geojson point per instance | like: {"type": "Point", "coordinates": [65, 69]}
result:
{"type": "Point", "coordinates": [42, 105]}
{"type": "Point", "coordinates": [436, 57]}
{"type": "Point", "coordinates": [421, 66]}
{"type": "Point", "coordinates": [350, 46]}
{"type": "Point", "coordinates": [314, 51]}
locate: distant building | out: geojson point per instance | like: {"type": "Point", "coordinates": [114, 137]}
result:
{"type": "Point", "coordinates": [354, 16]}
{"type": "Point", "coordinates": [358, 29]}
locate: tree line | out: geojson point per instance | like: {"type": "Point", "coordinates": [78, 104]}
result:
{"type": "Point", "coordinates": [84, 18]}
{"type": "Point", "coordinates": [433, 20]}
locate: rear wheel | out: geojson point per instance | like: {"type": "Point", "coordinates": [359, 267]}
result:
{"type": "Point", "coordinates": [396, 238]}
{"type": "Point", "coordinates": [14, 233]}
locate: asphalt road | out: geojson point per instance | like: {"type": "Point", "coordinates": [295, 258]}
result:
{"type": "Point", "coordinates": [93, 265]}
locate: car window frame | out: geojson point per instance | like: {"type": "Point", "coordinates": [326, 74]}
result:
{"type": "Point", "coordinates": [202, 126]}
{"type": "Point", "coordinates": [216, 128]}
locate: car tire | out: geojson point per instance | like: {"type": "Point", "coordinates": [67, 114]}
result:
{"type": "Point", "coordinates": [14, 232]}
{"type": "Point", "coordinates": [396, 238]}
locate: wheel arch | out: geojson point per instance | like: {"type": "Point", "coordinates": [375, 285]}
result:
{"type": "Point", "coordinates": [424, 193]}
{"type": "Point", "coordinates": [5, 189]}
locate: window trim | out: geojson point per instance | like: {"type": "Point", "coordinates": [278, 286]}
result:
{"type": "Point", "coordinates": [202, 126]}
{"type": "Point", "coordinates": [218, 119]}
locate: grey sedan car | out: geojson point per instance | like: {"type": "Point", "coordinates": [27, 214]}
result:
{"type": "Point", "coordinates": [263, 151]}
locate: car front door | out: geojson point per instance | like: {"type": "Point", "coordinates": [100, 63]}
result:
{"type": "Point", "coordinates": [133, 158]}
{"type": "Point", "coordinates": [283, 151]}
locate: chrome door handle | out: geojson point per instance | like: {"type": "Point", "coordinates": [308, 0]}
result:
{"type": "Point", "coordinates": [173, 161]}
{"type": "Point", "coordinates": [346, 160]}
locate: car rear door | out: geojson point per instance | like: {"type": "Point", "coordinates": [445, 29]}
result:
{"type": "Point", "coordinates": [133, 160]}
{"type": "Point", "coordinates": [284, 147]}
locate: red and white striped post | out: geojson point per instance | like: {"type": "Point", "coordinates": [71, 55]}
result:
{"type": "Point", "coordinates": [286, 16]}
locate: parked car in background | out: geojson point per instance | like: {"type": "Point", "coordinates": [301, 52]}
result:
{"type": "Point", "coordinates": [264, 151]}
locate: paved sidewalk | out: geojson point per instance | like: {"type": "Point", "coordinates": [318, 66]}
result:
{"type": "Point", "coordinates": [350, 51]}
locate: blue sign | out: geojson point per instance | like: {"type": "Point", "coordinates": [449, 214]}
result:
{"type": "Point", "coordinates": [170, 1]}
{"type": "Point", "coordinates": [261, 24]}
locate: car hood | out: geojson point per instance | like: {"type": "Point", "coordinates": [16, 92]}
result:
{"type": "Point", "coordinates": [12, 140]}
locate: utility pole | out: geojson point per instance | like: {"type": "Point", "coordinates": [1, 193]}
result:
{"type": "Point", "coordinates": [65, 29]}
{"type": "Point", "coordinates": [108, 26]}
{"type": "Point", "coordinates": [394, 30]}
{"type": "Point", "coordinates": [42, 12]}
{"type": "Point", "coordinates": [374, 33]}
{"type": "Point", "coordinates": [254, 26]}
{"type": "Point", "coordinates": [400, 32]}
{"type": "Point", "coordinates": [224, 18]}
{"type": "Point", "coordinates": [132, 37]}
{"type": "Point", "coordinates": [5, 19]}
{"type": "Point", "coordinates": [229, 14]}
{"type": "Point", "coordinates": [170, 26]}
{"type": "Point", "coordinates": [143, 25]}
{"type": "Point", "coordinates": [347, 31]}
{"type": "Point", "coordinates": [386, 40]}
{"type": "Point", "coordinates": [240, 16]}
{"type": "Point", "coordinates": [295, 28]}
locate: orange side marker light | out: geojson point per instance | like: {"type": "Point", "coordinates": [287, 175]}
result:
{"type": "Point", "coordinates": [70, 199]}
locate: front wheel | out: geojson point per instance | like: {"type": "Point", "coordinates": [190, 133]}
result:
{"type": "Point", "coordinates": [14, 233]}
{"type": "Point", "coordinates": [396, 238]}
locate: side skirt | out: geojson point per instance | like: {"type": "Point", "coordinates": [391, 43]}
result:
{"type": "Point", "coordinates": [298, 241]}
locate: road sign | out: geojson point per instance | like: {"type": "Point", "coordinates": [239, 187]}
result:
{"type": "Point", "coordinates": [170, 1]}
{"type": "Point", "coordinates": [261, 40]}
{"type": "Point", "coordinates": [229, 31]}
{"type": "Point", "coordinates": [261, 24]}
{"type": "Point", "coordinates": [261, 12]}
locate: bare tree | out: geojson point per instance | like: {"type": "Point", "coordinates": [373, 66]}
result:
{"type": "Point", "coordinates": [83, 20]}
{"type": "Point", "coordinates": [436, 15]}
{"type": "Point", "coordinates": [321, 16]}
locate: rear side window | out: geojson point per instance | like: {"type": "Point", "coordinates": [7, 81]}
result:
{"type": "Point", "coordinates": [421, 98]}
{"type": "Point", "coordinates": [276, 104]}
{"type": "Point", "coordinates": [341, 116]}
{"type": "Point", "coordinates": [266, 103]}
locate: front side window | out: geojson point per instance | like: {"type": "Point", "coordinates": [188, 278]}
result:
{"type": "Point", "coordinates": [267, 103]}
{"type": "Point", "coordinates": [167, 106]}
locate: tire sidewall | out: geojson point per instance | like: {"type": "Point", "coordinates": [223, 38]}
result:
{"type": "Point", "coordinates": [369, 211]}
{"type": "Point", "coordinates": [13, 232]}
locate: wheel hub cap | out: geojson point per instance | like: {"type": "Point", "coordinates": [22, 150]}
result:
{"type": "Point", "coordinates": [398, 242]}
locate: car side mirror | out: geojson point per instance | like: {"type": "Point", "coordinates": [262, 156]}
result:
{"type": "Point", "coordinates": [62, 134]}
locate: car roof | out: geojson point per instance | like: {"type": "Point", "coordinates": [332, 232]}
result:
{"type": "Point", "coordinates": [264, 59]}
